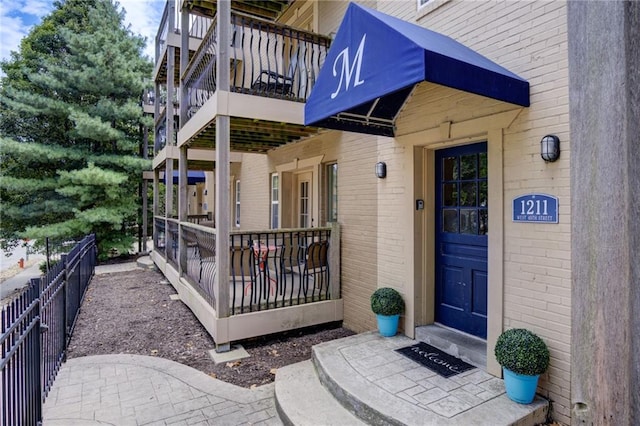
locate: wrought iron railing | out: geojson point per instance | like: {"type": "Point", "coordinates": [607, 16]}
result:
{"type": "Point", "coordinates": [20, 366]}
{"type": "Point", "coordinates": [172, 242]}
{"type": "Point", "coordinates": [200, 218]}
{"type": "Point", "coordinates": [199, 262]}
{"type": "Point", "coordinates": [267, 59]}
{"type": "Point", "coordinates": [159, 235]}
{"type": "Point", "coordinates": [268, 269]}
{"type": "Point", "coordinates": [198, 27]}
{"type": "Point", "coordinates": [54, 306]}
{"type": "Point", "coordinates": [161, 134]}
{"type": "Point", "coordinates": [148, 97]}
{"type": "Point", "coordinates": [35, 330]}
{"type": "Point", "coordinates": [163, 31]}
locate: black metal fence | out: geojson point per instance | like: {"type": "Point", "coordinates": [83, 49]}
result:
{"type": "Point", "coordinates": [36, 327]}
{"type": "Point", "coordinates": [53, 249]}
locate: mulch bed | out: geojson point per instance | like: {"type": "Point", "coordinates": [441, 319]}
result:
{"type": "Point", "coordinates": [131, 313]}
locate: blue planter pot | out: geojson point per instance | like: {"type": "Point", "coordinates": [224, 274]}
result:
{"type": "Point", "coordinates": [388, 325]}
{"type": "Point", "coordinates": [520, 388]}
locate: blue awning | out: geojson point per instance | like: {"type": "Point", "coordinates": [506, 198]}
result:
{"type": "Point", "coordinates": [376, 60]}
{"type": "Point", "coordinates": [193, 177]}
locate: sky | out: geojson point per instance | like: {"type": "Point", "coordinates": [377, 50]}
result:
{"type": "Point", "coordinates": [17, 17]}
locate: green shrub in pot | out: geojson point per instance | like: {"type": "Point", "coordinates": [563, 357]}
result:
{"type": "Point", "coordinates": [387, 301]}
{"type": "Point", "coordinates": [387, 304]}
{"type": "Point", "coordinates": [523, 357]}
{"type": "Point", "coordinates": [522, 352]}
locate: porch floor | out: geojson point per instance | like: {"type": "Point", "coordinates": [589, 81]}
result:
{"type": "Point", "coordinates": [362, 376]}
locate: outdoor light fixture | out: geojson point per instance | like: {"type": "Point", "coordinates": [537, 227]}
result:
{"type": "Point", "coordinates": [381, 170]}
{"type": "Point", "coordinates": [550, 148]}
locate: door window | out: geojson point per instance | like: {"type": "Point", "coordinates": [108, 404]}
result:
{"type": "Point", "coordinates": [237, 205]}
{"type": "Point", "coordinates": [304, 204]}
{"type": "Point", "coordinates": [464, 206]}
{"type": "Point", "coordinates": [275, 201]}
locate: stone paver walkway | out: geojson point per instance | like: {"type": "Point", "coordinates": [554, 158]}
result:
{"type": "Point", "coordinates": [141, 390]}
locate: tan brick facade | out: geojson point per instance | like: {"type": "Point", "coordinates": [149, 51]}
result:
{"type": "Point", "coordinates": [386, 242]}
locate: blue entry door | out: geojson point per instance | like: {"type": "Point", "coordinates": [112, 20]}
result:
{"type": "Point", "coordinates": [461, 238]}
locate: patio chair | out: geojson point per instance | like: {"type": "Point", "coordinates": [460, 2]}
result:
{"type": "Point", "coordinates": [242, 264]}
{"type": "Point", "coordinates": [273, 83]}
{"type": "Point", "coordinates": [316, 268]}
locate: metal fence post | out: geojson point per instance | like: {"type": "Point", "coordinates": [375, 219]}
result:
{"type": "Point", "coordinates": [65, 280]}
{"type": "Point", "coordinates": [36, 354]}
{"type": "Point", "coordinates": [48, 254]}
{"type": "Point", "coordinates": [38, 380]}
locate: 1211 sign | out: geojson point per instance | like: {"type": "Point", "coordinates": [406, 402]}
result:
{"type": "Point", "coordinates": [535, 208]}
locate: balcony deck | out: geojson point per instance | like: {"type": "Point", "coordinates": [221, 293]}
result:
{"type": "Point", "coordinates": [272, 70]}
{"type": "Point", "coordinates": [279, 279]}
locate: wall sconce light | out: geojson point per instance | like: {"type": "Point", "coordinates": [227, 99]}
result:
{"type": "Point", "coordinates": [550, 148]}
{"type": "Point", "coordinates": [381, 170]}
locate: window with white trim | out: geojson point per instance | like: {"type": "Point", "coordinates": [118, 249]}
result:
{"type": "Point", "coordinates": [424, 7]}
{"type": "Point", "coordinates": [237, 206]}
{"type": "Point", "coordinates": [275, 201]}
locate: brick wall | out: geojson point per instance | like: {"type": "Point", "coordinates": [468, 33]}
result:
{"type": "Point", "coordinates": [254, 178]}
{"type": "Point", "coordinates": [357, 214]}
{"type": "Point", "coordinates": [528, 38]}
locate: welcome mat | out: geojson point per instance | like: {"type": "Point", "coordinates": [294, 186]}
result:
{"type": "Point", "coordinates": [435, 360]}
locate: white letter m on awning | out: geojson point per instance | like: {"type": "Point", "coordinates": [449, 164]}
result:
{"type": "Point", "coordinates": [347, 68]}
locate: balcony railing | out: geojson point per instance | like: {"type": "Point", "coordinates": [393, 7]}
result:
{"type": "Point", "coordinates": [198, 27]}
{"type": "Point", "coordinates": [161, 135]}
{"type": "Point", "coordinates": [163, 31]}
{"type": "Point", "coordinates": [268, 269]}
{"type": "Point", "coordinates": [267, 59]}
{"type": "Point", "coordinates": [148, 97]}
{"type": "Point", "coordinates": [159, 234]}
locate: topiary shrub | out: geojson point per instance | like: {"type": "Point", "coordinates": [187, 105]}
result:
{"type": "Point", "coordinates": [522, 352]}
{"type": "Point", "coordinates": [387, 301]}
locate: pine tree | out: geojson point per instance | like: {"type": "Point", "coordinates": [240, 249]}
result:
{"type": "Point", "coordinates": [70, 122]}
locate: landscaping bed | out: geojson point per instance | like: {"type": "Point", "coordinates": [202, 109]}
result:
{"type": "Point", "coordinates": [131, 313]}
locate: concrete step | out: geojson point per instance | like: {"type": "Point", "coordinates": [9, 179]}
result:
{"type": "Point", "coordinates": [145, 262]}
{"type": "Point", "coordinates": [301, 399]}
{"type": "Point", "coordinates": [468, 348]}
{"type": "Point", "coordinates": [381, 387]}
